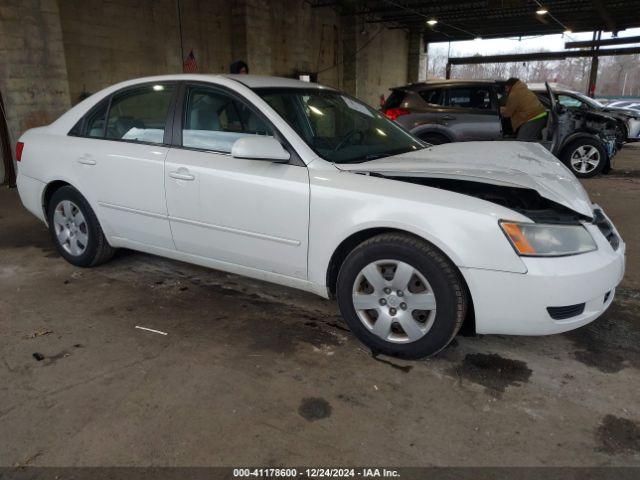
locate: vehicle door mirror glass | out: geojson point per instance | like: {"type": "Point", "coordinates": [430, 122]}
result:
{"type": "Point", "coordinates": [215, 121]}
{"type": "Point", "coordinates": [258, 147]}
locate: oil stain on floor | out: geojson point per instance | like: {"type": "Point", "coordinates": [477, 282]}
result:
{"type": "Point", "coordinates": [313, 408]}
{"type": "Point", "coordinates": [617, 435]}
{"type": "Point", "coordinates": [492, 371]}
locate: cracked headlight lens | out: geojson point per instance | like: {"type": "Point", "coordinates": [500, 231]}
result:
{"type": "Point", "coordinates": [548, 240]}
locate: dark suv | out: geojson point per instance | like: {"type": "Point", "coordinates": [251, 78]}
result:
{"type": "Point", "coordinates": [460, 110]}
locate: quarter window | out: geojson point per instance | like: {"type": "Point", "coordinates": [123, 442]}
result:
{"type": "Point", "coordinates": [214, 121]}
{"type": "Point", "coordinates": [96, 121]}
{"type": "Point", "coordinates": [432, 97]}
{"type": "Point", "coordinates": [140, 114]}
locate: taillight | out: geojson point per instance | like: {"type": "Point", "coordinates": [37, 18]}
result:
{"type": "Point", "coordinates": [393, 113]}
{"type": "Point", "coordinates": [19, 148]}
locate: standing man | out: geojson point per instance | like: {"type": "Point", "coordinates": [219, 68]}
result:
{"type": "Point", "coordinates": [528, 116]}
{"type": "Point", "coordinates": [239, 67]}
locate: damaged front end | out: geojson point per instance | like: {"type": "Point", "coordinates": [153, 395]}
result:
{"type": "Point", "coordinates": [574, 122]}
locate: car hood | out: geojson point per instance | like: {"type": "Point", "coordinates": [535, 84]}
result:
{"type": "Point", "coordinates": [514, 164]}
{"type": "Point", "coordinates": [620, 111]}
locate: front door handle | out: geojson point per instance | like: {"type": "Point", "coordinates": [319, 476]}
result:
{"type": "Point", "coordinates": [182, 174]}
{"type": "Point", "coordinates": [86, 160]}
{"type": "Point", "coordinates": [448, 117]}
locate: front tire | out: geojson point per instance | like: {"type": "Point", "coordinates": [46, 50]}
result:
{"type": "Point", "coordinates": [585, 157]}
{"type": "Point", "coordinates": [401, 296]}
{"type": "Point", "coordinates": [75, 229]}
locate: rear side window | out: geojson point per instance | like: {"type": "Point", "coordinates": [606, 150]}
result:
{"type": "Point", "coordinates": [395, 99]}
{"type": "Point", "coordinates": [139, 114]}
{"type": "Point", "coordinates": [214, 121]}
{"type": "Point", "coordinates": [470, 97]}
{"type": "Point", "coordinates": [432, 97]}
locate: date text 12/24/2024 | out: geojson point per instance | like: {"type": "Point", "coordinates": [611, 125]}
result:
{"type": "Point", "coordinates": [315, 473]}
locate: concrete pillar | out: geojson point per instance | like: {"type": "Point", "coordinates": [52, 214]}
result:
{"type": "Point", "coordinates": [414, 55]}
{"type": "Point", "coordinates": [33, 71]}
{"type": "Point", "coordinates": [349, 59]}
{"type": "Point", "coordinates": [250, 37]}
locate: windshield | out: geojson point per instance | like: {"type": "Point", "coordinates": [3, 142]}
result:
{"type": "Point", "coordinates": [338, 127]}
{"type": "Point", "coordinates": [589, 101]}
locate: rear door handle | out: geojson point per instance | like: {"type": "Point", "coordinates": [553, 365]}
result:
{"type": "Point", "coordinates": [448, 117]}
{"type": "Point", "coordinates": [86, 160]}
{"type": "Point", "coordinates": [182, 174]}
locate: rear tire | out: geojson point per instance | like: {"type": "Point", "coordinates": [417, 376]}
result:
{"type": "Point", "coordinates": [585, 157]}
{"type": "Point", "coordinates": [434, 138]}
{"type": "Point", "coordinates": [75, 229]}
{"type": "Point", "coordinates": [401, 296]}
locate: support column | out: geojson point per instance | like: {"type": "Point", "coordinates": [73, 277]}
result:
{"type": "Point", "coordinates": [414, 55]}
{"type": "Point", "coordinates": [250, 40]}
{"type": "Point", "coordinates": [593, 72]}
{"type": "Point", "coordinates": [349, 59]}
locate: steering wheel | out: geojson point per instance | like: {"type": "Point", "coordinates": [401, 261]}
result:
{"type": "Point", "coordinates": [345, 138]}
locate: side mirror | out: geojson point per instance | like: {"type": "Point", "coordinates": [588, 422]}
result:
{"type": "Point", "coordinates": [258, 147]}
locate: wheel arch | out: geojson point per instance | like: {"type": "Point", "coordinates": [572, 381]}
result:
{"type": "Point", "coordinates": [51, 188]}
{"type": "Point", "coordinates": [431, 128]}
{"type": "Point", "coordinates": [352, 241]}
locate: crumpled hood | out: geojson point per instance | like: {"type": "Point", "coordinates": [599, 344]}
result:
{"type": "Point", "coordinates": [515, 164]}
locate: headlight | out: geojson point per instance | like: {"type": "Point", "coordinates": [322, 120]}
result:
{"type": "Point", "coordinates": [547, 240]}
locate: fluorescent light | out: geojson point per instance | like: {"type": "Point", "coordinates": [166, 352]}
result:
{"type": "Point", "coordinates": [158, 88]}
{"type": "Point", "coordinates": [381, 132]}
{"type": "Point", "coordinates": [432, 21]}
{"type": "Point", "coordinates": [542, 11]}
{"type": "Point", "coordinates": [315, 110]}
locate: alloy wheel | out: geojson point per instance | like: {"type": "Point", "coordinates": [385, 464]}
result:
{"type": "Point", "coordinates": [394, 301]}
{"type": "Point", "coordinates": [71, 228]}
{"type": "Point", "coordinates": [585, 159]}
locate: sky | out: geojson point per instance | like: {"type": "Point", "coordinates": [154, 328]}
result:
{"type": "Point", "coordinates": [513, 44]}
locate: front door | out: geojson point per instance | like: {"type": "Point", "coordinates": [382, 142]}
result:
{"type": "Point", "coordinates": [251, 213]}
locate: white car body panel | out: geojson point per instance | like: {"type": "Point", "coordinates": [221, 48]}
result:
{"type": "Point", "coordinates": [282, 222]}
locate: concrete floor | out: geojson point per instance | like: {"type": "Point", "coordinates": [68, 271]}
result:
{"type": "Point", "coordinates": [256, 374]}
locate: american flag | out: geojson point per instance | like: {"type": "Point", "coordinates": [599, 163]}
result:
{"type": "Point", "coordinates": [190, 65]}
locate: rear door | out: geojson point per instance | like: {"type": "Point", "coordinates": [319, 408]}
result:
{"type": "Point", "coordinates": [472, 112]}
{"type": "Point", "coordinates": [119, 160]}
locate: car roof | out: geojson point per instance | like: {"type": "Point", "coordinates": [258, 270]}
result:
{"type": "Point", "coordinates": [556, 87]}
{"type": "Point", "coordinates": [250, 81]}
{"type": "Point", "coordinates": [443, 83]}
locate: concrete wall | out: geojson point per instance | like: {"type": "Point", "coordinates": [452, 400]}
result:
{"type": "Point", "coordinates": [33, 73]}
{"type": "Point", "coordinates": [381, 64]}
{"type": "Point", "coordinates": [53, 51]}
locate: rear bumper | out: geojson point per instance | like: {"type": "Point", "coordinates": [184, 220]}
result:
{"type": "Point", "coordinates": [516, 304]}
{"type": "Point", "coordinates": [31, 194]}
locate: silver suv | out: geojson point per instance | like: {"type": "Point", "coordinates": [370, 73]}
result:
{"type": "Point", "coordinates": [466, 110]}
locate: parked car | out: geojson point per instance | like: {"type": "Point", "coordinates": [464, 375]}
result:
{"type": "Point", "coordinates": [305, 186]}
{"type": "Point", "coordinates": [620, 103]}
{"type": "Point", "coordinates": [460, 111]}
{"type": "Point", "coordinates": [629, 129]}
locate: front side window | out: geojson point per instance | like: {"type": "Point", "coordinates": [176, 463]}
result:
{"type": "Point", "coordinates": [140, 114]}
{"type": "Point", "coordinates": [214, 121]}
{"type": "Point", "coordinates": [470, 97]}
{"type": "Point", "coordinates": [569, 102]}
{"type": "Point", "coordinates": [337, 127]}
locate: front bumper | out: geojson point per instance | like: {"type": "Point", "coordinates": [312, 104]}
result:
{"type": "Point", "coordinates": [516, 304]}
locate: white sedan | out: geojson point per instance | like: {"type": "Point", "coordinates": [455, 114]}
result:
{"type": "Point", "coordinates": [305, 186]}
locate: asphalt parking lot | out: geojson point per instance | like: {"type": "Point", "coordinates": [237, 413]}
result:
{"type": "Point", "coordinates": [255, 374]}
